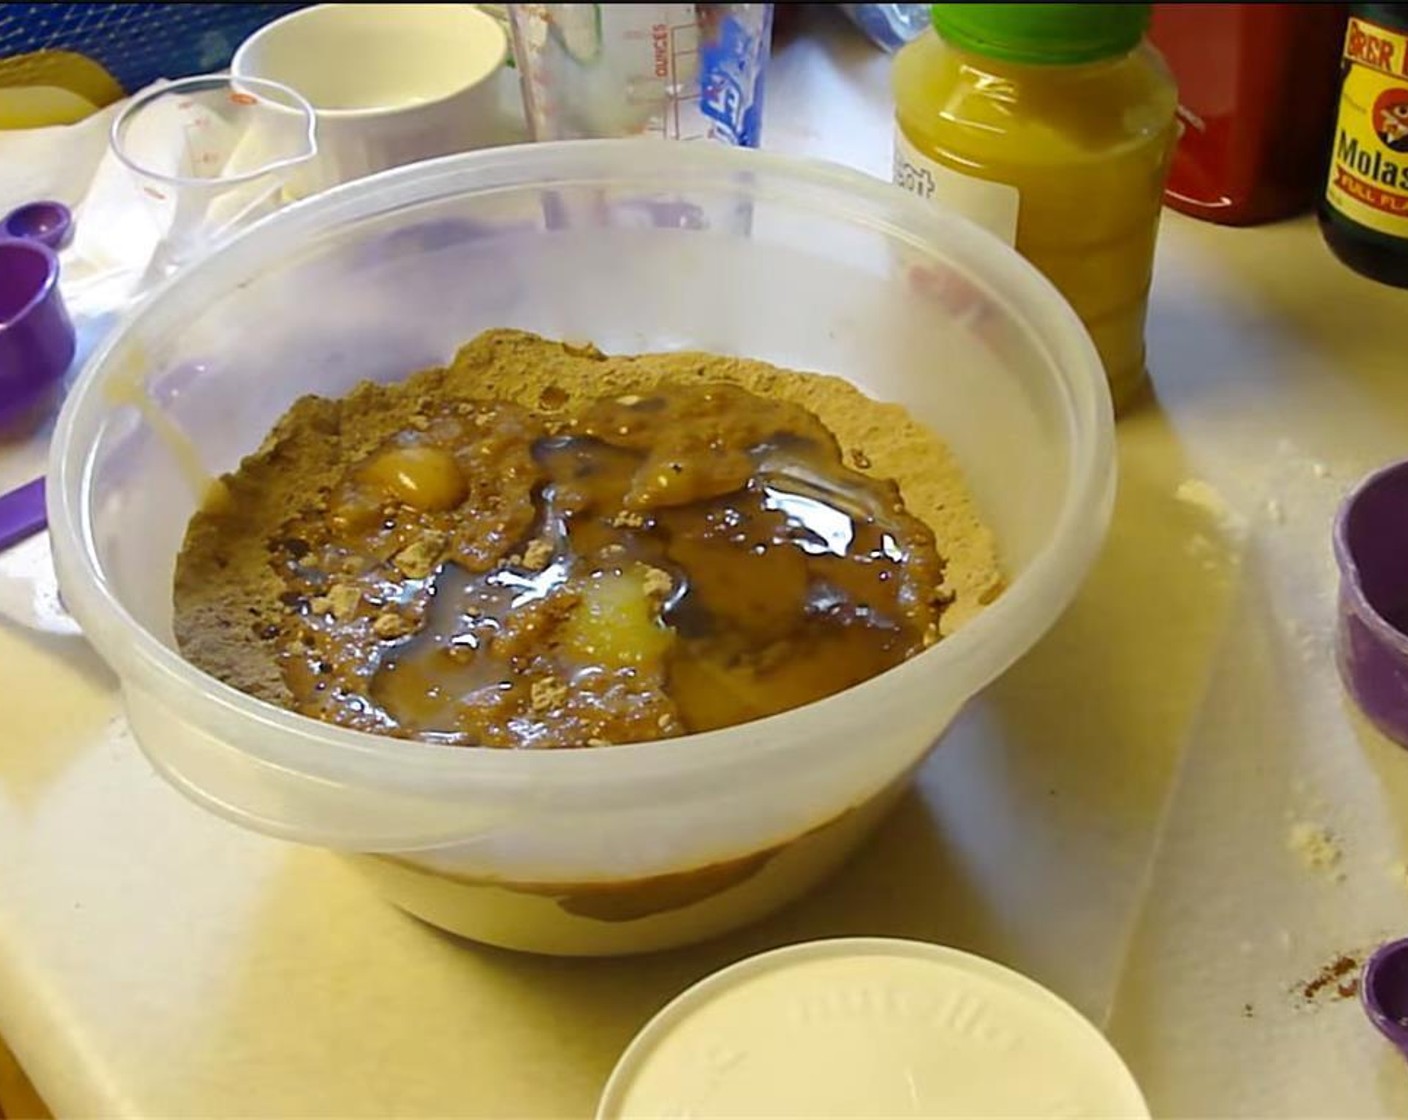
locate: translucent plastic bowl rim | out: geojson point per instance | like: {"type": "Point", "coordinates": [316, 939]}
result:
{"type": "Point", "coordinates": [965, 662]}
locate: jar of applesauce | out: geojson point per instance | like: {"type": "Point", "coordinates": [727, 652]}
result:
{"type": "Point", "coordinates": [1053, 126]}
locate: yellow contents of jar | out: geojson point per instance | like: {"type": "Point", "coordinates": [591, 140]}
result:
{"type": "Point", "coordinates": [1007, 117]}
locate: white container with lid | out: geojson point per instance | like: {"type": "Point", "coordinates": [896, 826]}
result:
{"type": "Point", "coordinates": [869, 1027]}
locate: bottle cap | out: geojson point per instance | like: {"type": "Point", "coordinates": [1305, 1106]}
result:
{"type": "Point", "coordinates": [1050, 34]}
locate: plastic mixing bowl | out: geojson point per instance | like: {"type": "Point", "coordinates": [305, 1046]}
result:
{"type": "Point", "coordinates": [635, 247]}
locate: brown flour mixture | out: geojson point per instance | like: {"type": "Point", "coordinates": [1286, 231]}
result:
{"type": "Point", "coordinates": [543, 546]}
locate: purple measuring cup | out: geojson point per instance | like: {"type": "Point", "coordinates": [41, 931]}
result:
{"type": "Point", "coordinates": [1384, 992]}
{"type": "Point", "coordinates": [1371, 549]}
{"type": "Point", "coordinates": [36, 334]}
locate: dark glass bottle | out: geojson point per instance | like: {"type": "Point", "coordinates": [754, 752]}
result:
{"type": "Point", "coordinates": [1364, 207]}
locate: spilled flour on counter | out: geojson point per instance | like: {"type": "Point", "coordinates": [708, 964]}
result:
{"type": "Point", "coordinates": [1317, 848]}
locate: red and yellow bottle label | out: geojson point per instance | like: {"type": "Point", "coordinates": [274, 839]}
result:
{"type": "Point", "coordinates": [1369, 162]}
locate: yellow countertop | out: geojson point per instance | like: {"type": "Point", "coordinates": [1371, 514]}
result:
{"type": "Point", "coordinates": [1111, 818]}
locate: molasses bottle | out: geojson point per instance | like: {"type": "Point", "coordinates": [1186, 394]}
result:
{"type": "Point", "coordinates": [1364, 210]}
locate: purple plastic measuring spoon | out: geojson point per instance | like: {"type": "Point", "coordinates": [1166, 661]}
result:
{"type": "Point", "coordinates": [21, 513]}
{"type": "Point", "coordinates": [50, 223]}
{"type": "Point", "coordinates": [36, 338]}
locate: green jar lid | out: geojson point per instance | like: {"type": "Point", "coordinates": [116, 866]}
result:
{"type": "Point", "coordinates": [1052, 34]}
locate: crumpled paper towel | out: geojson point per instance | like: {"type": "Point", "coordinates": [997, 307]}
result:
{"type": "Point", "coordinates": [115, 234]}
{"type": "Point", "coordinates": [115, 230]}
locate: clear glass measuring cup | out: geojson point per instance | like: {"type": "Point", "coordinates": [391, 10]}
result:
{"type": "Point", "coordinates": [209, 154]}
{"type": "Point", "coordinates": [671, 71]}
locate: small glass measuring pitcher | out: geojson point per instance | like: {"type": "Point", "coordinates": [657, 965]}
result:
{"type": "Point", "coordinates": [210, 154]}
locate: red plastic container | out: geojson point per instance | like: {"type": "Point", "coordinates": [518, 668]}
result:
{"type": "Point", "coordinates": [1256, 91]}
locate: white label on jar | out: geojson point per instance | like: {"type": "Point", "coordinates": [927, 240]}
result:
{"type": "Point", "coordinates": [992, 205]}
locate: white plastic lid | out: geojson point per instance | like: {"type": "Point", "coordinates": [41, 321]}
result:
{"type": "Point", "coordinates": [869, 1027]}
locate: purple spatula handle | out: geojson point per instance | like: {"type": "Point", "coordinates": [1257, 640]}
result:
{"type": "Point", "coordinates": [22, 513]}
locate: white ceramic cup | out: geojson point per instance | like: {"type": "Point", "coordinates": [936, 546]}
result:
{"type": "Point", "coordinates": [390, 84]}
